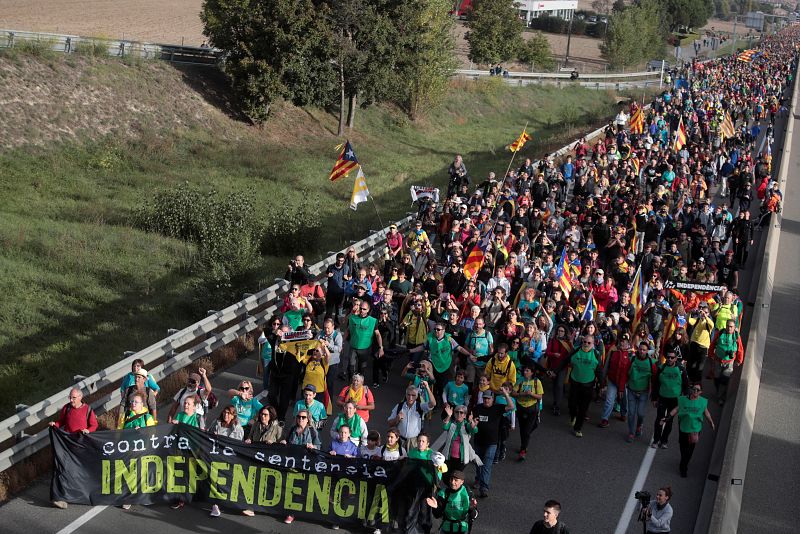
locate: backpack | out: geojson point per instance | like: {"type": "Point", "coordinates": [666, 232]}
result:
{"type": "Point", "coordinates": [126, 401]}
{"type": "Point", "coordinates": [399, 408]}
{"type": "Point", "coordinates": [209, 403]}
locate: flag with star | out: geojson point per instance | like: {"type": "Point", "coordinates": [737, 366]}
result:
{"type": "Point", "coordinates": [345, 163]}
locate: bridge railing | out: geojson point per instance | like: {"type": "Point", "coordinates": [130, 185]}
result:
{"type": "Point", "coordinates": [25, 432]}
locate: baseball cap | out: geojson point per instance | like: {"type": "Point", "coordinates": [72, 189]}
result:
{"type": "Point", "coordinates": [488, 394]}
{"type": "Point", "coordinates": [457, 474]}
{"type": "Point", "coordinates": [310, 387]}
{"type": "Point", "coordinates": [141, 372]}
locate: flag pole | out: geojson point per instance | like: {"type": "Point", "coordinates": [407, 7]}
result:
{"type": "Point", "coordinates": [513, 154]}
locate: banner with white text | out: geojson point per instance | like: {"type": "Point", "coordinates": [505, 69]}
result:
{"type": "Point", "coordinates": [165, 463]}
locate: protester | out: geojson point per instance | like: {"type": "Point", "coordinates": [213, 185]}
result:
{"type": "Point", "coordinates": [691, 410]}
{"type": "Point", "coordinates": [76, 416]}
{"type": "Point", "coordinates": [266, 428]}
{"type": "Point", "coordinates": [550, 524]}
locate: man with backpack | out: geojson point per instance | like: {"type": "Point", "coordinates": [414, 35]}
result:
{"type": "Point", "coordinates": [75, 416]}
{"type": "Point", "coordinates": [409, 416]}
{"type": "Point", "coordinates": [641, 373]}
{"type": "Point", "coordinates": [726, 350]}
{"type": "Point", "coordinates": [199, 387]}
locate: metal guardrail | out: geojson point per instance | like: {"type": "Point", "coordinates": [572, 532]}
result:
{"type": "Point", "coordinates": [71, 44]}
{"type": "Point", "coordinates": [616, 81]}
{"type": "Point", "coordinates": [193, 342]}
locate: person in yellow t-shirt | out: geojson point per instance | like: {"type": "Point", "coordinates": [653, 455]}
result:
{"type": "Point", "coordinates": [701, 326]}
{"type": "Point", "coordinates": [528, 394]}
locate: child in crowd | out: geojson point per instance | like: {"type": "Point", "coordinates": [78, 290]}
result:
{"type": "Point", "coordinates": [371, 450]}
{"type": "Point", "coordinates": [393, 451]}
{"type": "Point", "coordinates": [456, 391]}
{"type": "Point", "coordinates": [342, 445]}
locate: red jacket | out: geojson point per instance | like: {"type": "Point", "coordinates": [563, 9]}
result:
{"type": "Point", "coordinates": [712, 348]}
{"type": "Point", "coordinates": [605, 295]}
{"type": "Point", "coordinates": [617, 366]}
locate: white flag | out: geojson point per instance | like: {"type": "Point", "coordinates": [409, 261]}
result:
{"type": "Point", "coordinates": [360, 191]}
{"type": "Point", "coordinates": [421, 191]}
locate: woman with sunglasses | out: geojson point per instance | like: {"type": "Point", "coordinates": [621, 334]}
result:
{"type": "Point", "coordinates": [227, 425]}
{"type": "Point", "coordinates": [266, 428]}
{"type": "Point", "coordinates": [243, 402]}
{"type": "Point", "coordinates": [454, 441]}
{"type": "Point", "coordinates": [304, 434]}
{"type": "Point", "coordinates": [267, 341]}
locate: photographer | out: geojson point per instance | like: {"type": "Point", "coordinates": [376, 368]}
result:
{"type": "Point", "coordinates": [658, 513]}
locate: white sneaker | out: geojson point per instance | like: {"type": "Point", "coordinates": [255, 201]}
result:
{"type": "Point", "coordinates": [215, 511]}
{"type": "Point", "coordinates": [126, 506]}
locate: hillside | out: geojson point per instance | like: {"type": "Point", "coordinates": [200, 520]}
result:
{"type": "Point", "coordinates": [85, 141]}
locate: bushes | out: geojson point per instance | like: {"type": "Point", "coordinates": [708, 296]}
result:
{"type": "Point", "coordinates": [230, 232]}
{"type": "Point", "coordinates": [91, 48]}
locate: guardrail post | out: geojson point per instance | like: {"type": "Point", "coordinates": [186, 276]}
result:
{"type": "Point", "coordinates": [171, 331]}
{"type": "Point", "coordinates": [128, 353]}
{"type": "Point", "coordinates": [21, 435]}
{"type": "Point", "coordinates": [211, 312]}
{"type": "Point", "coordinates": [78, 378]}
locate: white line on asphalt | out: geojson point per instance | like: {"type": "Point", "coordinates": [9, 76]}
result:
{"type": "Point", "coordinates": [85, 518]}
{"type": "Point", "coordinates": [630, 504]}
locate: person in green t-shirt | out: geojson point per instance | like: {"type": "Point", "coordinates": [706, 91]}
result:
{"type": "Point", "coordinates": [189, 414]}
{"type": "Point", "coordinates": [441, 345]}
{"type": "Point", "coordinates": [360, 329]}
{"type": "Point", "coordinates": [586, 368]}
{"type": "Point", "coordinates": [690, 410]}
{"type": "Point", "coordinates": [671, 381]}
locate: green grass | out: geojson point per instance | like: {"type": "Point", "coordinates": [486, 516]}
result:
{"type": "Point", "coordinates": [80, 285]}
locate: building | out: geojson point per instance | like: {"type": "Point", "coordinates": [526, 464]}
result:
{"type": "Point", "coordinates": [529, 9]}
{"type": "Point", "coordinates": [533, 9]}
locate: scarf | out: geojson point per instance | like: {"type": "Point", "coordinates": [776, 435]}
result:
{"type": "Point", "coordinates": [353, 396]}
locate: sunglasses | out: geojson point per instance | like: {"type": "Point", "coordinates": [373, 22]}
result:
{"type": "Point", "coordinates": [439, 329]}
{"type": "Point", "coordinates": [244, 388]}
{"type": "Point", "coordinates": [302, 417]}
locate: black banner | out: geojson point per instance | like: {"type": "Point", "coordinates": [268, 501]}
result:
{"type": "Point", "coordinates": [693, 286]}
{"type": "Point", "coordinates": [165, 463]}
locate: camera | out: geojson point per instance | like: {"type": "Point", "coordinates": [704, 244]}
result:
{"type": "Point", "coordinates": [644, 498]}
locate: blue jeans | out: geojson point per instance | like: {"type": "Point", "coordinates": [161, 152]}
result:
{"type": "Point", "coordinates": [611, 398]}
{"type": "Point", "coordinates": [486, 454]}
{"type": "Point", "coordinates": [637, 404]}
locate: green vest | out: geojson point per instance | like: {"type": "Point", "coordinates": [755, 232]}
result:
{"type": "Point", "coordinates": [441, 352]}
{"type": "Point", "coordinates": [361, 331]}
{"type": "Point", "coordinates": [670, 381]}
{"type": "Point", "coordinates": [691, 413]}
{"type": "Point", "coordinates": [583, 366]}
{"type": "Point", "coordinates": [726, 346]}
{"type": "Point", "coordinates": [640, 373]}
{"type": "Point", "coordinates": [456, 510]}
{"type": "Point", "coordinates": [354, 423]}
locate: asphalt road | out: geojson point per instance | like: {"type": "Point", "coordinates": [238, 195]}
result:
{"type": "Point", "coordinates": [593, 477]}
{"type": "Point", "coordinates": [770, 490]}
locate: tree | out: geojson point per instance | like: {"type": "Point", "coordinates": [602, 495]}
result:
{"type": "Point", "coordinates": [688, 13]}
{"type": "Point", "coordinates": [723, 9]}
{"type": "Point", "coordinates": [425, 58]}
{"type": "Point", "coordinates": [495, 31]}
{"type": "Point", "coordinates": [635, 34]}
{"type": "Point", "coordinates": [364, 54]}
{"type": "Point", "coordinates": [619, 6]}
{"type": "Point", "coordinates": [602, 6]}
{"type": "Point", "coordinates": [274, 49]}
{"type": "Point", "coordinates": [536, 51]}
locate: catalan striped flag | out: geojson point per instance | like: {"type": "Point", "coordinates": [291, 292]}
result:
{"type": "Point", "coordinates": [726, 128]}
{"type": "Point", "coordinates": [637, 298]}
{"type": "Point", "coordinates": [589, 310]}
{"type": "Point", "coordinates": [517, 145]}
{"type": "Point", "coordinates": [748, 55]}
{"type": "Point", "coordinates": [680, 137]}
{"type": "Point", "coordinates": [477, 256]}
{"type": "Point", "coordinates": [563, 274]}
{"type": "Point", "coordinates": [768, 156]}
{"type": "Point", "coordinates": [637, 121]}
{"type": "Point", "coordinates": [636, 164]}
{"type": "Point", "coordinates": [345, 163]}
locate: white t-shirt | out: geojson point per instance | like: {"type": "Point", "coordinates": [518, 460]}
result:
{"type": "Point", "coordinates": [181, 395]}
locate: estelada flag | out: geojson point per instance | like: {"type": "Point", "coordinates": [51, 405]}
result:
{"type": "Point", "coordinates": [680, 137]}
{"type": "Point", "coordinates": [637, 298]}
{"type": "Point", "coordinates": [748, 55]}
{"type": "Point", "coordinates": [345, 163]}
{"type": "Point", "coordinates": [563, 274]}
{"type": "Point", "coordinates": [477, 256]}
{"type": "Point", "coordinates": [523, 138]}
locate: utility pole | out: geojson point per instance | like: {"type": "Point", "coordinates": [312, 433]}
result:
{"type": "Point", "coordinates": [569, 38]}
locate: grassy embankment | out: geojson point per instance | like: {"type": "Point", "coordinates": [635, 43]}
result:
{"type": "Point", "coordinates": [86, 140]}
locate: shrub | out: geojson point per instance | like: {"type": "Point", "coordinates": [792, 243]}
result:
{"type": "Point", "coordinates": [41, 48]}
{"type": "Point", "coordinates": [91, 48]}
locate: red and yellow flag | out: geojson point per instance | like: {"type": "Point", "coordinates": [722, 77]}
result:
{"type": "Point", "coordinates": [637, 121]}
{"type": "Point", "coordinates": [517, 145]}
{"type": "Point", "coordinates": [680, 138]}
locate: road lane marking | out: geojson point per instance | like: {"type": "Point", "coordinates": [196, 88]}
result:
{"type": "Point", "coordinates": [82, 520]}
{"type": "Point", "coordinates": [638, 484]}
